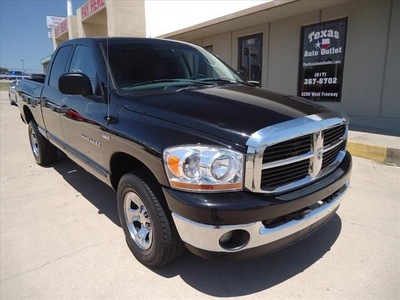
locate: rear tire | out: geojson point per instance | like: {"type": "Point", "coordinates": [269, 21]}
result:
{"type": "Point", "coordinates": [149, 232]}
{"type": "Point", "coordinates": [43, 151]}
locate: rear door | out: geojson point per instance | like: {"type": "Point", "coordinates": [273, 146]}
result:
{"type": "Point", "coordinates": [52, 98]}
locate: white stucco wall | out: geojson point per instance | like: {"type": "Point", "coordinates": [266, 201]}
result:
{"type": "Point", "coordinates": [221, 45]}
{"type": "Point", "coordinates": [390, 106]}
{"type": "Point", "coordinates": [284, 49]}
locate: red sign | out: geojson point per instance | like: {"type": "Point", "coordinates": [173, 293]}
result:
{"type": "Point", "coordinates": [61, 28]}
{"type": "Point", "coordinates": [90, 7]}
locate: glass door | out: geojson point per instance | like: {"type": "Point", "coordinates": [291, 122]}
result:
{"type": "Point", "coordinates": [250, 57]}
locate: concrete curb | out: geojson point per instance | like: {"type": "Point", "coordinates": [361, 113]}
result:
{"type": "Point", "coordinates": [374, 152]}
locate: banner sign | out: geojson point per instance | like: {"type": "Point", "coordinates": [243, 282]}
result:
{"type": "Point", "coordinates": [61, 28]}
{"type": "Point", "coordinates": [90, 7]}
{"type": "Point", "coordinates": [322, 60]}
{"type": "Point", "coordinates": [53, 21]}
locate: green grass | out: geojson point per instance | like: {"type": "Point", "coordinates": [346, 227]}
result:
{"type": "Point", "coordinates": [4, 86]}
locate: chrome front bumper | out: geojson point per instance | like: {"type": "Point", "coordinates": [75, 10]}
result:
{"type": "Point", "coordinates": [207, 237]}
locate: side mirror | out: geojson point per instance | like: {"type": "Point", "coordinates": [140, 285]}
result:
{"type": "Point", "coordinates": [75, 84]}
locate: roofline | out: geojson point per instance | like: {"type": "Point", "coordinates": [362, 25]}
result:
{"type": "Point", "coordinates": [236, 15]}
{"type": "Point", "coordinates": [271, 11]}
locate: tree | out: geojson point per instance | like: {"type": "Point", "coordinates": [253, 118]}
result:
{"type": "Point", "coordinates": [3, 70]}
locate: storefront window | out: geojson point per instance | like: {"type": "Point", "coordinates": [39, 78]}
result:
{"type": "Point", "coordinates": [250, 57]}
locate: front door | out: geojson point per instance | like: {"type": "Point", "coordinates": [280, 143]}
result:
{"type": "Point", "coordinates": [83, 117]}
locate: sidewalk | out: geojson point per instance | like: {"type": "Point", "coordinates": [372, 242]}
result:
{"type": "Point", "coordinates": [377, 147]}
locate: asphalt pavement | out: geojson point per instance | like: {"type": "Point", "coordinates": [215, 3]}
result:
{"type": "Point", "coordinates": [61, 239]}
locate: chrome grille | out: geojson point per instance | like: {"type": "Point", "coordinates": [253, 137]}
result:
{"type": "Point", "coordinates": [330, 156]}
{"type": "Point", "coordinates": [285, 174]}
{"type": "Point", "coordinates": [291, 154]}
{"type": "Point", "coordinates": [333, 134]}
{"type": "Point", "coordinates": [294, 147]}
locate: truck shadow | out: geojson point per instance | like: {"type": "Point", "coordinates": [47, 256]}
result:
{"type": "Point", "coordinates": [215, 278]}
{"type": "Point", "coordinates": [241, 278]}
{"type": "Point", "coordinates": [99, 194]}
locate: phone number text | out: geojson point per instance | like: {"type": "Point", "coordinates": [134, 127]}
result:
{"type": "Point", "coordinates": [324, 80]}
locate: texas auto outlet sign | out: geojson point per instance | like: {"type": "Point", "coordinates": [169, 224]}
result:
{"type": "Point", "coordinates": [322, 60]}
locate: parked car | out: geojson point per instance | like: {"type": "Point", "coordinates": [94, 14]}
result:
{"type": "Point", "coordinates": [38, 76]}
{"type": "Point", "coordinates": [14, 75]}
{"type": "Point", "coordinates": [12, 93]}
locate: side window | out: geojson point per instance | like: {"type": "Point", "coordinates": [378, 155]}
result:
{"type": "Point", "coordinates": [82, 62]}
{"type": "Point", "coordinates": [58, 67]}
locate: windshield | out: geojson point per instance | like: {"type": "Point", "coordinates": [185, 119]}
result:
{"type": "Point", "coordinates": [138, 66]}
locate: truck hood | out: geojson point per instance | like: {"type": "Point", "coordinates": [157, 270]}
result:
{"type": "Point", "coordinates": [229, 112]}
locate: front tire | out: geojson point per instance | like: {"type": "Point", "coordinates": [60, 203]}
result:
{"type": "Point", "coordinates": [43, 152]}
{"type": "Point", "coordinates": [149, 232]}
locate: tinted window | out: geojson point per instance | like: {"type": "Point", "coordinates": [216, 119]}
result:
{"type": "Point", "coordinates": [82, 62]}
{"type": "Point", "coordinates": [58, 67]}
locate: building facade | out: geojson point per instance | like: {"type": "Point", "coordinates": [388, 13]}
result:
{"type": "Point", "coordinates": [103, 18]}
{"type": "Point", "coordinates": [344, 54]}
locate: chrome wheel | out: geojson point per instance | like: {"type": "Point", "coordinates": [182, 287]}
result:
{"type": "Point", "coordinates": [138, 221]}
{"type": "Point", "coordinates": [43, 151]}
{"type": "Point", "coordinates": [34, 144]}
{"type": "Point", "coordinates": [143, 215]}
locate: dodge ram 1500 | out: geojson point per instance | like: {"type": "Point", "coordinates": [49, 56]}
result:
{"type": "Point", "coordinates": [199, 158]}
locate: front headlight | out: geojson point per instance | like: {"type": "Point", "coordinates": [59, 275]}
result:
{"type": "Point", "coordinates": [201, 168]}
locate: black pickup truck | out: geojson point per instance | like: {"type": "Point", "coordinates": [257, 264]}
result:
{"type": "Point", "coordinates": [199, 158]}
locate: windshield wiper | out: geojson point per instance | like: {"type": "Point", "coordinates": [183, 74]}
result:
{"type": "Point", "coordinates": [188, 81]}
{"type": "Point", "coordinates": [223, 80]}
{"type": "Point", "coordinates": [154, 81]}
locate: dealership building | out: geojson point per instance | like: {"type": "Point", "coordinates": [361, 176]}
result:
{"type": "Point", "coordinates": [342, 54]}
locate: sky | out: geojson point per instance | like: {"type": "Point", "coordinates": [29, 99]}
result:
{"type": "Point", "coordinates": [23, 33]}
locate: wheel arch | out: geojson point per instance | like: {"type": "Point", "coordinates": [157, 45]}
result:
{"type": "Point", "coordinates": [122, 163]}
{"type": "Point", "coordinates": [27, 115]}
